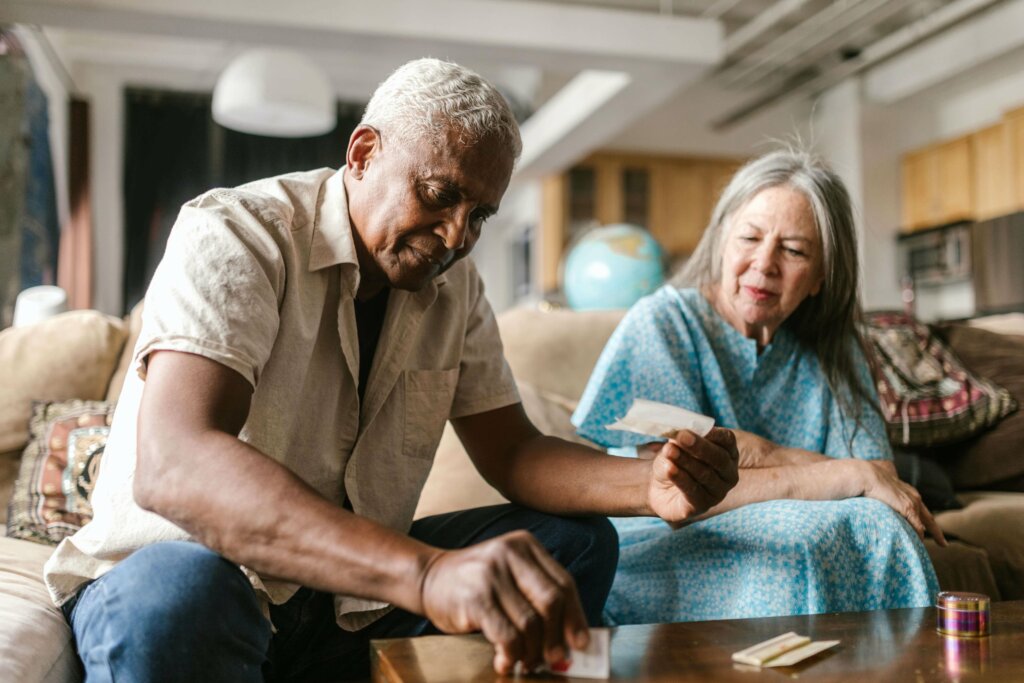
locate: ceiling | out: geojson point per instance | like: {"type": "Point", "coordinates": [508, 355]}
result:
{"type": "Point", "coordinates": [586, 69]}
{"type": "Point", "coordinates": [776, 49]}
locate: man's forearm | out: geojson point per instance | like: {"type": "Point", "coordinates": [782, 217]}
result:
{"type": "Point", "coordinates": [255, 512]}
{"type": "Point", "coordinates": [560, 477]}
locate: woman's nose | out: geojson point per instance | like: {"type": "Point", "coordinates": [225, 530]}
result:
{"type": "Point", "coordinates": [765, 257]}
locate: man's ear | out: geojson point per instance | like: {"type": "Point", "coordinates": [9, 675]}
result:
{"type": "Point", "coordinates": [362, 147]}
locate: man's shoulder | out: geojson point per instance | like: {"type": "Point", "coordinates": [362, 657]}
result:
{"type": "Point", "coordinates": [288, 200]}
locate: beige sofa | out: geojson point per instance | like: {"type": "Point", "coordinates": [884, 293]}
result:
{"type": "Point", "coordinates": [552, 353]}
{"type": "Point", "coordinates": [77, 355]}
{"type": "Point", "coordinates": [85, 355]}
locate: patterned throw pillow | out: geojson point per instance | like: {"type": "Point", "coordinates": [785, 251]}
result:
{"type": "Point", "coordinates": [58, 469]}
{"type": "Point", "coordinates": [927, 395]}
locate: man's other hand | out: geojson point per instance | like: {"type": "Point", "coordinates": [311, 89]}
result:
{"type": "Point", "coordinates": [691, 474]}
{"type": "Point", "coordinates": [512, 590]}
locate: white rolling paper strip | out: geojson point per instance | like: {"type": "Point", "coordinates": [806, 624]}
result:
{"type": "Point", "coordinates": [785, 650]}
{"type": "Point", "coordinates": [661, 420]}
{"type": "Point", "coordinates": [594, 662]}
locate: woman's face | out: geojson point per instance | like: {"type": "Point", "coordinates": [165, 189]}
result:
{"type": "Point", "coordinates": [771, 262]}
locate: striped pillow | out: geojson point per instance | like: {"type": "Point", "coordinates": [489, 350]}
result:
{"type": "Point", "coordinates": [928, 397]}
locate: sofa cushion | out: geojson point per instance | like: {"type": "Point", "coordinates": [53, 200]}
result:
{"type": "Point", "coordinates": [455, 484]}
{"type": "Point", "coordinates": [556, 350]}
{"type": "Point", "coordinates": [58, 470]}
{"type": "Point", "coordinates": [8, 474]}
{"type": "Point", "coordinates": [133, 326]}
{"type": "Point", "coordinates": [994, 458]}
{"type": "Point", "coordinates": [927, 395]}
{"type": "Point", "coordinates": [1004, 323]}
{"type": "Point", "coordinates": [962, 567]}
{"type": "Point", "coordinates": [71, 355]}
{"type": "Point", "coordinates": [35, 640]}
{"type": "Point", "coordinates": [992, 520]}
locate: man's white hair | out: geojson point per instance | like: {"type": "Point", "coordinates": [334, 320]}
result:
{"type": "Point", "coordinates": [425, 98]}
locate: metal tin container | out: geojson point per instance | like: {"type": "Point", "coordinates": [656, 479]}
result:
{"type": "Point", "coordinates": [962, 614]}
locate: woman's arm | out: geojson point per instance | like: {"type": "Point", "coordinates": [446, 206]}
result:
{"type": "Point", "coordinates": [757, 452]}
{"type": "Point", "coordinates": [772, 472]}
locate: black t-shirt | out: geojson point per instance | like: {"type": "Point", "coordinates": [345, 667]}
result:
{"type": "Point", "coordinates": [369, 321]}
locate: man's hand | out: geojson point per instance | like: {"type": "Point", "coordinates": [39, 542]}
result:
{"type": "Point", "coordinates": [513, 591]}
{"type": "Point", "coordinates": [691, 474]}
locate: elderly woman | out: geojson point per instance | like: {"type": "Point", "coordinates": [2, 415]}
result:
{"type": "Point", "coordinates": [763, 339]}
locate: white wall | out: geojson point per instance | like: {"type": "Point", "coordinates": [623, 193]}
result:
{"type": "Point", "coordinates": [866, 124]}
{"type": "Point", "coordinates": [972, 100]}
{"type": "Point", "coordinates": [683, 126]}
{"type": "Point", "coordinates": [880, 209]}
{"type": "Point", "coordinates": [493, 253]}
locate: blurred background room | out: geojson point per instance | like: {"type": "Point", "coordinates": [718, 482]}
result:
{"type": "Point", "coordinates": [633, 111]}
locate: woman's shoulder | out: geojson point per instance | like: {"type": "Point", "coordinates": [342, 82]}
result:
{"type": "Point", "coordinates": [679, 315]}
{"type": "Point", "coordinates": [671, 300]}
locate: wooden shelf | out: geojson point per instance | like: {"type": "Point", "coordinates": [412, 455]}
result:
{"type": "Point", "coordinates": [670, 196]}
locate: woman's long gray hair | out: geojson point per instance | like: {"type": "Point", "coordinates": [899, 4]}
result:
{"type": "Point", "coordinates": [826, 322]}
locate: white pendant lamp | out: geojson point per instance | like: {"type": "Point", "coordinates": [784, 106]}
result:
{"type": "Point", "coordinates": [274, 92]}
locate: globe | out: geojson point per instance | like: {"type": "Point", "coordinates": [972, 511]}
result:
{"type": "Point", "coordinates": [612, 267]}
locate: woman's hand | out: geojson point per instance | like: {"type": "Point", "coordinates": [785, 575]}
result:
{"type": "Point", "coordinates": [691, 474]}
{"type": "Point", "coordinates": [877, 479]}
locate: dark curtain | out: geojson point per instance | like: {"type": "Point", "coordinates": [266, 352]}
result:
{"type": "Point", "coordinates": [29, 229]}
{"type": "Point", "coordinates": [174, 151]}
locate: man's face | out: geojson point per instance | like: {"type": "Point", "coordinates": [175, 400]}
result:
{"type": "Point", "coordinates": [418, 208]}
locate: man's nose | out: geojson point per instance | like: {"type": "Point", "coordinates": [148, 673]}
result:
{"type": "Point", "coordinates": [454, 229]}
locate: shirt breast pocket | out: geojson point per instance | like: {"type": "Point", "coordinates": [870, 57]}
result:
{"type": "Point", "coordinates": [428, 401]}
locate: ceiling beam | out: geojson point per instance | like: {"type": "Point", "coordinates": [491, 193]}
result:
{"type": "Point", "coordinates": [975, 41]}
{"type": "Point", "coordinates": [587, 113]}
{"type": "Point", "coordinates": [923, 32]}
{"type": "Point", "coordinates": [524, 32]}
{"type": "Point", "coordinates": [652, 55]}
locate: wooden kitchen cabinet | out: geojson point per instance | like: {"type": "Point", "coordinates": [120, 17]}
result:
{"type": "Point", "coordinates": [920, 177]}
{"type": "Point", "coordinates": [670, 196]}
{"type": "Point", "coordinates": [938, 184]}
{"type": "Point", "coordinates": [956, 195]}
{"type": "Point", "coordinates": [992, 172]}
{"type": "Point", "coordinates": [1015, 138]}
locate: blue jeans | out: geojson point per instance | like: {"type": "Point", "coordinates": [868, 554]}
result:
{"type": "Point", "coordinates": [177, 611]}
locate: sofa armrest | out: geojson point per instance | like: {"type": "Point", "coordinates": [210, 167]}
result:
{"type": "Point", "coordinates": [963, 567]}
{"type": "Point", "coordinates": [35, 640]}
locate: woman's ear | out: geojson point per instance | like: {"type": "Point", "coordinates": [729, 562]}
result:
{"type": "Point", "coordinates": [817, 285]}
{"type": "Point", "coordinates": [362, 147]}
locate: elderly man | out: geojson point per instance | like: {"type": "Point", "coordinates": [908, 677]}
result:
{"type": "Point", "coordinates": [305, 339]}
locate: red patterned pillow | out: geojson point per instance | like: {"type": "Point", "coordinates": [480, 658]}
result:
{"type": "Point", "coordinates": [58, 469]}
{"type": "Point", "coordinates": [928, 397]}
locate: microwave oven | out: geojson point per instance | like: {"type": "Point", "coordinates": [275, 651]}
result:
{"type": "Point", "coordinates": [937, 256]}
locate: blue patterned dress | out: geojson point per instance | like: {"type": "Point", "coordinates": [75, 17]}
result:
{"type": "Point", "coordinates": [766, 559]}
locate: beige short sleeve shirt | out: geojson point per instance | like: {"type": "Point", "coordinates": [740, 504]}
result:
{"type": "Point", "coordinates": [261, 278]}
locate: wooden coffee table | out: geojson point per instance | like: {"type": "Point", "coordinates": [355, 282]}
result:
{"type": "Point", "coordinates": [886, 645]}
